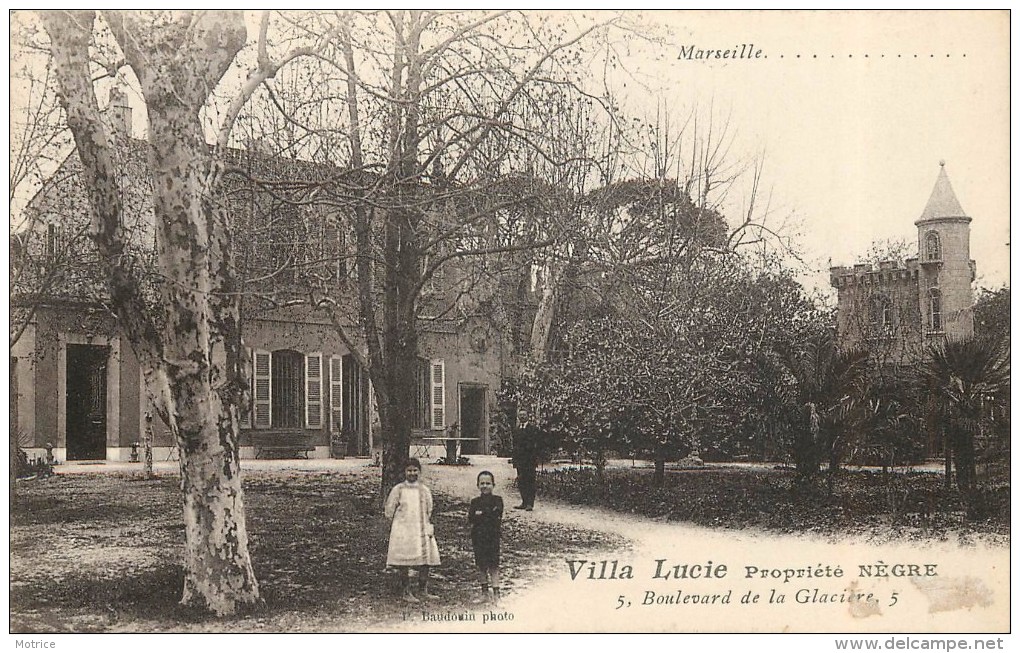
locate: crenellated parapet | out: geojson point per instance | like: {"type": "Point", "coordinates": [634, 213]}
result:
{"type": "Point", "coordinates": [866, 274]}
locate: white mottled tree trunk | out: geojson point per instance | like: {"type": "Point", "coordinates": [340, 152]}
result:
{"type": "Point", "coordinates": [541, 328]}
{"type": "Point", "coordinates": [189, 346]}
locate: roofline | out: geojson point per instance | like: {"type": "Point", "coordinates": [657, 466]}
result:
{"type": "Point", "coordinates": [949, 218]}
{"type": "Point", "coordinates": [56, 301]}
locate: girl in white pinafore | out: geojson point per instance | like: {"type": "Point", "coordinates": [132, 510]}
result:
{"type": "Point", "coordinates": [412, 537]}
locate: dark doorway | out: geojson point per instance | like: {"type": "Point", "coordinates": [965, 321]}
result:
{"type": "Point", "coordinates": [355, 406]}
{"type": "Point", "coordinates": [473, 419]}
{"type": "Point", "coordinates": [86, 402]}
{"type": "Point", "coordinates": [288, 389]}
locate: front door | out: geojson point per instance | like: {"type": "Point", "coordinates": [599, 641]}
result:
{"type": "Point", "coordinates": [86, 402]}
{"type": "Point", "coordinates": [473, 423]}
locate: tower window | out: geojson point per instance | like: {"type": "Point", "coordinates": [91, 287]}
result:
{"type": "Point", "coordinates": [881, 313]}
{"type": "Point", "coordinates": [935, 308]}
{"type": "Point", "coordinates": [932, 246]}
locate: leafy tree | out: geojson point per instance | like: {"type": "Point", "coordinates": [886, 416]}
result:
{"type": "Point", "coordinates": [992, 314]}
{"type": "Point", "coordinates": [765, 413]}
{"type": "Point", "coordinates": [669, 311]}
{"type": "Point", "coordinates": [966, 381]}
{"type": "Point", "coordinates": [656, 352]}
{"type": "Point", "coordinates": [992, 322]}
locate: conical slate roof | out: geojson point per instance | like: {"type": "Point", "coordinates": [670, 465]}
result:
{"type": "Point", "coordinates": [943, 202]}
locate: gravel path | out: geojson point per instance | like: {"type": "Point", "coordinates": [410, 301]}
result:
{"type": "Point", "coordinates": [969, 591]}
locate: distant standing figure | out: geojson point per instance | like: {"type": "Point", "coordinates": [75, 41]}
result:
{"type": "Point", "coordinates": [485, 514]}
{"type": "Point", "coordinates": [525, 460]}
{"type": "Point", "coordinates": [412, 536]}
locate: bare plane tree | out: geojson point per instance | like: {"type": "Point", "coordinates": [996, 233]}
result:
{"type": "Point", "coordinates": [425, 118]}
{"type": "Point", "coordinates": [188, 345]}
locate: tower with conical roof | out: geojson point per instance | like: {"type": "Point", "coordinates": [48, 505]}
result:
{"type": "Point", "coordinates": [895, 309]}
{"type": "Point", "coordinates": [947, 272]}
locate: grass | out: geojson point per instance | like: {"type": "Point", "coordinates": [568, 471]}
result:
{"type": "Point", "coordinates": [876, 506]}
{"type": "Point", "coordinates": [101, 553]}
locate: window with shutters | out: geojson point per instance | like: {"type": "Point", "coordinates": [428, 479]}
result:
{"type": "Point", "coordinates": [244, 416]}
{"type": "Point", "coordinates": [287, 240]}
{"type": "Point", "coordinates": [289, 390]}
{"type": "Point", "coordinates": [336, 394]}
{"type": "Point", "coordinates": [55, 246]}
{"type": "Point", "coordinates": [313, 391]}
{"type": "Point", "coordinates": [262, 392]}
{"type": "Point", "coordinates": [438, 394]}
{"type": "Point", "coordinates": [333, 257]}
{"type": "Point", "coordinates": [422, 400]}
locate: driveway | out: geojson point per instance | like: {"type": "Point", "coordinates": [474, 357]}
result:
{"type": "Point", "coordinates": [712, 580]}
{"type": "Point", "coordinates": [793, 577]}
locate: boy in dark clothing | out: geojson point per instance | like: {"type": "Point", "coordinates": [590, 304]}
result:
{"type": "Point", "coordinates": [485, 516]}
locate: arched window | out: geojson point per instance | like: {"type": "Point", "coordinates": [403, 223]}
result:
{"type": "Point", "coordinates": [932, 246]}
{"type": "Point", "coordinates": [935, 309]}
{"type": "Point", "coordinates": [881, 313]}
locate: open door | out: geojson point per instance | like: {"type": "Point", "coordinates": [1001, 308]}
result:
{"type": "Point", "coordinates": [474, 420]}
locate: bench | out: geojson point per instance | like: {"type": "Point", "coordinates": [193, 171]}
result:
{"type": "Point", "coordinates": [281, 444]}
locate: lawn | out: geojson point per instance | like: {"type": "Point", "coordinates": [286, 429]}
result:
{"type": "Point", "coordinates": [101, 553]}
{"type": "Point", "coordinates": [873, 505]}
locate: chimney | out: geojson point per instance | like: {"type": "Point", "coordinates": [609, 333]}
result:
{"type": "Point", "coordinates": [118, 113]}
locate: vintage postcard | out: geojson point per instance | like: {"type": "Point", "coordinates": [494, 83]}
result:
{"type": "Point", "coordinates": [608, 321]}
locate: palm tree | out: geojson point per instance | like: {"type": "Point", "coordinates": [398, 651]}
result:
{"type": "Point", "coordinates": [965, 378]}
{"type": "Point", "coordinates": [832, 384]}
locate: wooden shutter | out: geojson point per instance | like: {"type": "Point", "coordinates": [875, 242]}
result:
{"type": "Point", "coordinates": [262, 397]}
{"type": "Point", "coordinates": [438, 394]}
{"type": "Point", "coordinates": [244, 416]}
{"type": "Point", "coordinates": [313, 391]}
{"type": "Point", "coordinates": [336, 394]}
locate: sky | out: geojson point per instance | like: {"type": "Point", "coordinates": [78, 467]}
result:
{"type": "Point", "coordinates": [853, 112]}
{"type": "Point", "coordinates": [854, 128]}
